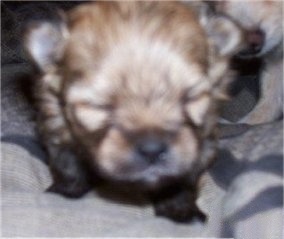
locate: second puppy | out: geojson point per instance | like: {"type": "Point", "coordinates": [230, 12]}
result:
{"type": "Point", "coordinates": [263, 23]}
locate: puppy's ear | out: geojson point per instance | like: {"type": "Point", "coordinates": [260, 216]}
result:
{"type": "Point", "coordinates": [224, 35]}
{"type": "Point", "coordinates": [45, 43]}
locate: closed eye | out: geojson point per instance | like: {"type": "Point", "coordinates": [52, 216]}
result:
{"type": "Point", "coordinates": [91, 116]}
{"type": "Point", "coordinates": [107, 107]}
{"type": "Point", "coordinates": [195, 92]}
{"type": "Point", "coordinates": [192, 98]}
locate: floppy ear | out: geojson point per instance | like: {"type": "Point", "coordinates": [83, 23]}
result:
{"type": "Point", "coordinates": [45, 43]}
{"type": "Point", "coordinates": [223, 33]}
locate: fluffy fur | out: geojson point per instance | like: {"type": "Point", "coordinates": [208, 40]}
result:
{"type": "Point", "coordinates": [128, 94]}
{"type": "Point", "coordinates": [267, 18]}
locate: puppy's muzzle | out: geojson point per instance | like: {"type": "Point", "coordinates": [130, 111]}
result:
{"type": "Point", "coordinates": [152, 149]}
{"type": "Point", "coordinates": [255, 40]}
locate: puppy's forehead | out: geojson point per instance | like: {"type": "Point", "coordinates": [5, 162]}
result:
{"type": "Point", "coordinates": [97, 27]}
{"type": "Point", "coordinates": [139, 57]}
{"type": "Point", "coordinates": [144, 68]}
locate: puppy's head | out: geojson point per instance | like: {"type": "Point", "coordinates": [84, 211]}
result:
{"type": "Point", "coordinates": [262, 21]}
{"type": "Point", "coordinates": [139, 83]}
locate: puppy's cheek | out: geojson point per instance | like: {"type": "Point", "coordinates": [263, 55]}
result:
{"type": "Point", "coordinates": [112, 153]}
{"type": "Point", "coordinates": [91, 119]}
{"type": "Point", "coordinates": [186, 148]}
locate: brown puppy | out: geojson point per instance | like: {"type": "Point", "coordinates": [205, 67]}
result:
{"type": "Point", "coordinates": [263, 23]}
{"type": "Point", "coordinates": [128, 93]}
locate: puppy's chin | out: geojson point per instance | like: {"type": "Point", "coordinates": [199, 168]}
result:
{"type": "Point", "coordinates": [150, 179]}
{"type": "Point", "coordinates": [146, 176]}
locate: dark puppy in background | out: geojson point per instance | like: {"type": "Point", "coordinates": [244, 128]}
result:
{"type": "Point", "coordinates": [128, 93]}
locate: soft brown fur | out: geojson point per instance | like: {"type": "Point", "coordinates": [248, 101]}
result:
{"type": "Point", "coordinates": [120, 74]}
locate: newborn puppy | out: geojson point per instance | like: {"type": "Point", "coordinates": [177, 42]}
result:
{"type": "Point", "coordinates": [128, 94]}
{"type": "Point", "coordinates": [263, 24]}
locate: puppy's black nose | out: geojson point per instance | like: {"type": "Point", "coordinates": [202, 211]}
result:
{"type": "Point", "coordinates": [255, 40]}
{"type": "Point", "coordinates": [152, 149]}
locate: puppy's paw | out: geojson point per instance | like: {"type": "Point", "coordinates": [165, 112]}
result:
{"type": "Point", "coordinates": [70, 177]}
{"type": "Point", "coordinates": [69, 189]}
{"type": "Point", "coordinates": [180, 208]}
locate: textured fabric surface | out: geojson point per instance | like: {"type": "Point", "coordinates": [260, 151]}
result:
{"type": "Point", "coordinates": [28, 211]}
{"type": "Point", "coordinates": [242, 193]}
{"type": "Point", "coordinates": [250, 169]}
{"type": "Point", "coordinates": [17, 115]}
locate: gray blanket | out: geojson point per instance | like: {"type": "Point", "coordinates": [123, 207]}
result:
{"type": "Point", "coordinates": [242, 193]}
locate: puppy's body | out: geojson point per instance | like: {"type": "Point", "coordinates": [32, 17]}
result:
{"type": "Point", "coordinates": [128, 93]}
{"type": "Point", "coordinates": [263, 22]}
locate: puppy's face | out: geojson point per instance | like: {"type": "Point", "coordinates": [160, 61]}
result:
{"type": "Point", "coordinates": [262, 21]}
{"type": "Point", "coordinates": [145, 96]}
{"type": "Point", "coordinates": [147, 137]}
{"type": "Point", "coordinates": [138, 87]}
